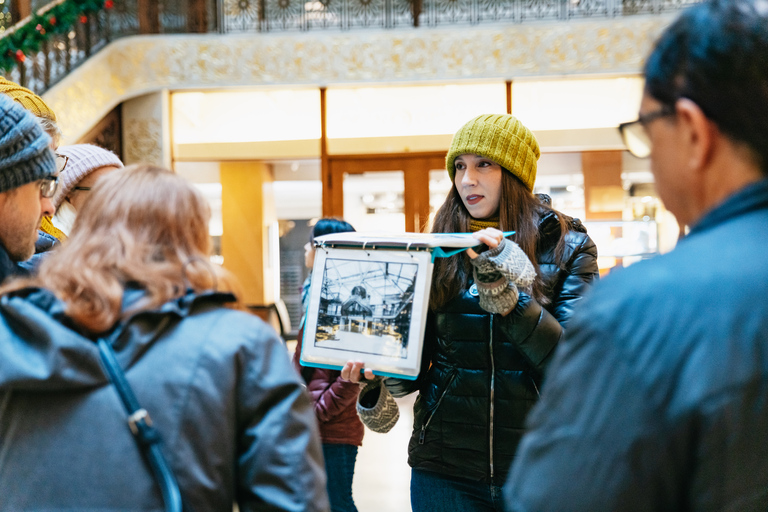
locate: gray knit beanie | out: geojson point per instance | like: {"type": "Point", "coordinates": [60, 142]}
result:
{"type": "Point", "coordinates": [83, 160]}
{"type": "Point", "coordinates": [25, 154]}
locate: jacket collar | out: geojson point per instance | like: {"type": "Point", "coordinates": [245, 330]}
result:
{"type": "Point", "coordinates": [45, 300]}
{"type": "Point", "coordinates": [8, 267]}
{"type": "Point", "coordinates": [549, 226]}
{"type": "Point", "coordinates": [751, 198]}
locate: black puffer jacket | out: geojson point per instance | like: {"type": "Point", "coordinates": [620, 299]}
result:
{"type": "Point", "coordinates": [481, 373]}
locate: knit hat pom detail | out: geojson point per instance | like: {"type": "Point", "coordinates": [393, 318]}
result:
{"type": "Point", "coordinates": [503, 139]}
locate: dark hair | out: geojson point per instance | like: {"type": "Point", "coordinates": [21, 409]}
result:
{"type": "Point", "coordinates": [520, 211]}
{"type": "Point", "coordinates": [328, 225]}
{"type": "Point", "coordinates": [716, 55]}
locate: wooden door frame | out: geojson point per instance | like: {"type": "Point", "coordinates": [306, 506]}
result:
{"type": "Point", "coordinates": [415, 167]}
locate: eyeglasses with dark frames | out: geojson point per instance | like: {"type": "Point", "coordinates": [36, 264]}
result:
{"type": "Point", "coordinates": [634, 135]}
{"type": "Point", "coordinates": [61, 162]}
{"type": "Point", "coordinates": [48, 186]}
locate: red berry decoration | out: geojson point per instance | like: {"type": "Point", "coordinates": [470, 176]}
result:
{"type": "Point", "coordinates": [83, 18]}
{"type": "Point", "coordinates": [20, 57]}
{"type": "Point", "coordinates": [52, 20]}
{"type": "Point", "coordinates": [109, 4]}
{"type": "Point", "coordinates": [40, 29]}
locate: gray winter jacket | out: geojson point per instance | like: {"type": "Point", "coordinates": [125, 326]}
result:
{"type": "Point", "coordinates": [237, 425]}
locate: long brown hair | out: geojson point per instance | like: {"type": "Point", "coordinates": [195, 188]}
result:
{"type": "Point", "coordinates": [143, 227]}
{"type": "Point", "coordinates": [519, 211]}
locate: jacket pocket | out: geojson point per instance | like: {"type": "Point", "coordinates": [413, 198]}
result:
{"type": "Point", "coordinates": [431, 415]}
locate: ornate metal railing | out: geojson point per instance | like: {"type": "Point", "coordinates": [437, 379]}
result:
{"type": "Point", "coordinates": [70, 45]}
{"type": "Point", "coordinates": [282, 15]}
{"type": "Point", "coordinates": [62, 50]}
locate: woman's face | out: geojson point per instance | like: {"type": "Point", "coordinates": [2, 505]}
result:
{"type": "Point", "coordinates": [309, 254]}
{"type": "Point", "coordinates": [478, 181]}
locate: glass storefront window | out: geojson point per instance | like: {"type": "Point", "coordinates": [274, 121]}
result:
{"type": "Point", "coordinates": [245, 116]}
{"type": "Point", "coordinates": [577, 103]}
{"type": "Point", "coordinates": [373, 201]}
{"type": "Point", "coordinates": [354, 112]}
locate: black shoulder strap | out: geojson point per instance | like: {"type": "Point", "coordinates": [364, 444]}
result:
{"type": "Point", "coordinates": [147, 437]}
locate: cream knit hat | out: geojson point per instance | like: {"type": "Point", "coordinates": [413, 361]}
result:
{"type": "Point", "coordinates": [83, 160]}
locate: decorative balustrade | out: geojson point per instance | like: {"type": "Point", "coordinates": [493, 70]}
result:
{"type": "Point", "coordinates": [282, 15]}
{"type": "Point", "coordinates": [42, 64]}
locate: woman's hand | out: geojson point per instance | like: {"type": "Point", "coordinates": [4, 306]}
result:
{"type": "Point", "coordinates": [351, 372]}
{"type": "Point", "coordinates": [491, 237]}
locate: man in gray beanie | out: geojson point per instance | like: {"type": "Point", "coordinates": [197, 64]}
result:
{"type": "Point", "coordinates": [27, 182]}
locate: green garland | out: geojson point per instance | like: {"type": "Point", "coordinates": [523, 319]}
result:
{"type": "Point", "coordinates": [59, 19]}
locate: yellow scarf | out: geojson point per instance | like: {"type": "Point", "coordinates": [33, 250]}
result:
{"type": "Point", "coordinates": [46, 226]}
{"type": "Point", "coordinates": [477, 225]}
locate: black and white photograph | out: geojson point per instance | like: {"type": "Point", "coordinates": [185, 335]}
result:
{"type": "Point", "coordinates": [367, 305]}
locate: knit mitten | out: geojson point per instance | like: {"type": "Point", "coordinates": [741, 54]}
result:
{"type": "Point", "coordinates": [375, 406]}
{"type": "Point", "coordinates": [499, 275]}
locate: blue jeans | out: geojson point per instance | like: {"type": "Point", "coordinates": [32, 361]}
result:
{"type": "Point", "coordinates": [433, 492]}
{"type": "Point", "coordinates": [340, 467]}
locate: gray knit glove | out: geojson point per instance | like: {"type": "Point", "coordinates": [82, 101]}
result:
{"type": "Point", "coordinates": [375, 406]}
{"type": "Point", "coordinates": [499, 275]}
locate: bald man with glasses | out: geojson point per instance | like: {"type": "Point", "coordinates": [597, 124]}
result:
{"type": "Point", "coordinates": [28, 180]}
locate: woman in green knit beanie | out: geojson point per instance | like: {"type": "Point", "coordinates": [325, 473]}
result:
{"type": "Point", "coordinates": [496, 316]}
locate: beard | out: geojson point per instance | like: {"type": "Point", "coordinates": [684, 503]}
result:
{"type": "Point", "coordinates": [20, 243]}
{"type": "Point", "coordinates": [22, 247]}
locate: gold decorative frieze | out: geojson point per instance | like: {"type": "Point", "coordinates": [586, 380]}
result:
{"type": "Point", "coordinates": [141, 64]}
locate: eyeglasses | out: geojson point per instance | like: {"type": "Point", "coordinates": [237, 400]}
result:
{"type": "Point", "coordinates": [48, 186]}
{"type": "Point", "coordinates": [61, 162]}
{"type": "Point", "coordinates": [634, 135]}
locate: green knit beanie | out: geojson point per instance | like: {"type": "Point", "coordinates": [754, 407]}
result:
{"type": "Point", "coordinates": [503, 139]}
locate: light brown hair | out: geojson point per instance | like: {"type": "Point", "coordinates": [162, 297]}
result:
{"type": "Point", "coordinates": [143, 227]}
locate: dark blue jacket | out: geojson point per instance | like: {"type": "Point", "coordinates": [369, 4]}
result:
{"type": "Point", "coordinates": [658, 397]}
{"type": "Point", "coordinates": [7, 267]}
{"type": "Point", "coordinates": [43, 246]}
{"type": "Point", "coordinates": [236, 422]}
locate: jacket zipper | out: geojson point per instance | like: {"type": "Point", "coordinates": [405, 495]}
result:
{"type": "Point", "coordinates": [493, 392]}
{"type": "Point", "coordinates": [432, 414]}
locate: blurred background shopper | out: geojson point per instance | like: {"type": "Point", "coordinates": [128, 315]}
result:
{"type": "Point", "coordinates": [659, 398]}
{"type": "Point", "coordinates": [236, 423]}
{"type": "Point", "coordinates": [333, 397]}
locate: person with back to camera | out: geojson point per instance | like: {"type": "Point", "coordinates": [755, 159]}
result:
{"type": "Point", "coordinates": [658, 400]}
{"type": "Point", "coordinates": [236, 423]}
{"type": "Point", "coordinates": [334, 399]}
{"type": "Point", "coordinates": [494, 318]}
